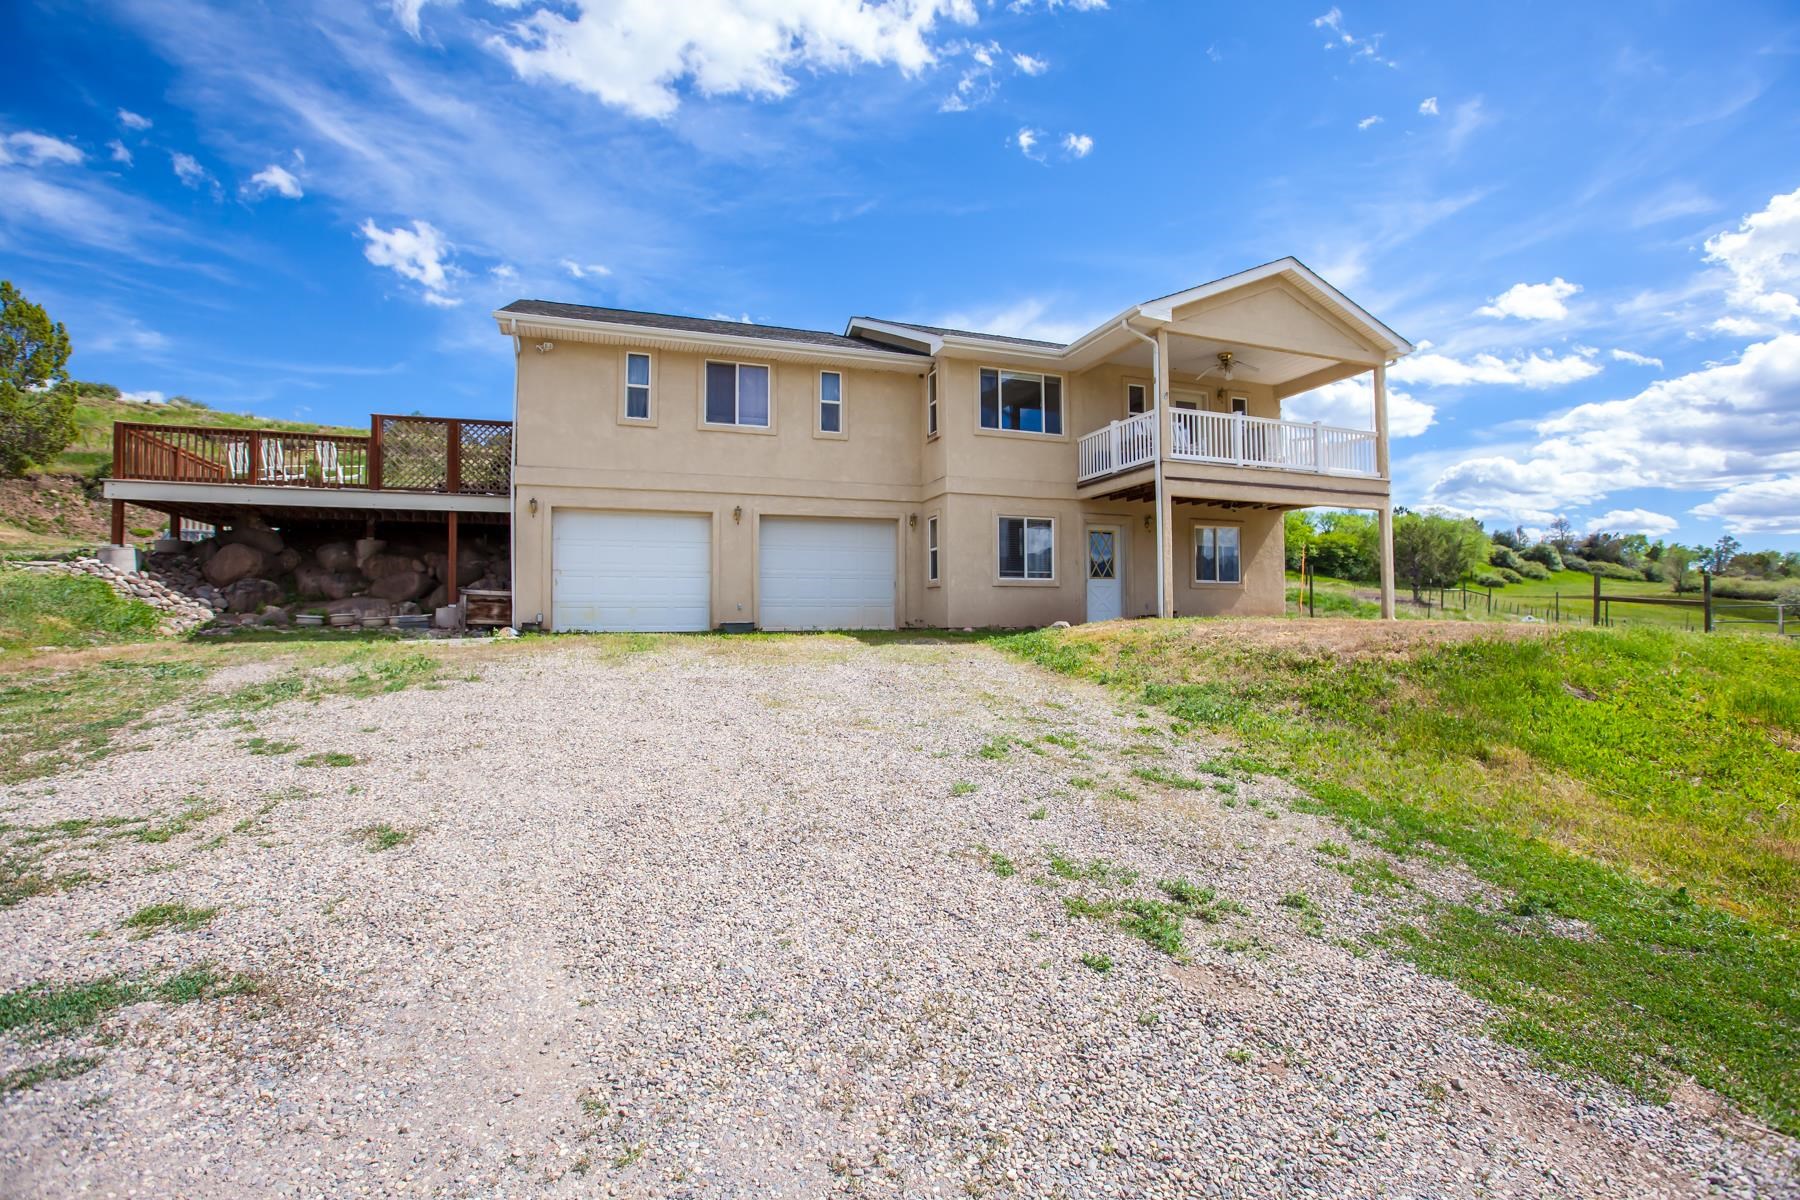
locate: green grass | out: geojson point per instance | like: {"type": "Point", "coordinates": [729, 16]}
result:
{"type": "Point", "coordinates": [329, 758]}
{"type": "Point", "coordinates": [67, 610]}
{"type": "Point", "coordinates": [67, 1067]}
{"type": "Point", "coordinates": [97, 409]}
{"type": "Point", "coordinates": [1100, 964]}
{"type": "Point", "coordinates": [376, 838]}
{"type": "Point", "coordinates": [1001, 865]}
{"type": "Point", "coordinates": [154, 918]}
{"type": "Point", "coordinates": [1654, 829]}
{"type": "Point", "coordinates": [961, 787]}
{"type": "Point", "coordinates": [44, 1009]}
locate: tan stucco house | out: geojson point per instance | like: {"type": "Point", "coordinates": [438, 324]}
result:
{"type": "Point", "coordinates": [674, 473]}
{"type": "Point", "coordinates": [680, 473]}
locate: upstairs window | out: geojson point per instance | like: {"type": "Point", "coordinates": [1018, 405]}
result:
{"type": "Point", "coordinates": [1216, 554]}
{"type": "Point", "coordinates": [1021, 401]}
{"type": "Point", "coordinates": [1027, 548]}
{"type": "Point", "coordinates": [637, 387]}
{"type": "Point", "coordinates": [737, 394]}
{"type": "Point", "coordinates": [931, 405]}
{"type": "Point", "coordinates": [1137, 399]}
{"type": "Point", "coordinates": [831, 402]}
{"type": "Point", "coordinates": [1240, 405]}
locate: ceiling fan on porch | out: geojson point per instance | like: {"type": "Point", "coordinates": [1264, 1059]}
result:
{"type": "Point", "coordinates": [1227, 365]}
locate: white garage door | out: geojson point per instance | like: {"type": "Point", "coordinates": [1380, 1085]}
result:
{"type": "Point", "coordinates": [824, 573]}
{"type": "Point", "coordinates": [631, 571]}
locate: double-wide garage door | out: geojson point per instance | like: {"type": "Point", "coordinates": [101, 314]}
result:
{"type": "Point", "coordinates": [653, 572]}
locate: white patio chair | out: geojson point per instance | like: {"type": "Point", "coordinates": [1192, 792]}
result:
{"type": "Point", "coordinates": [331, 469]}
{"type": "Point", "coordinates": [237, 459]}
{"type": "Point", "coordinates": [275, 468]}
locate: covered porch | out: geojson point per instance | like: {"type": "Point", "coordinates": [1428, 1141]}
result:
{"type": "Point", "coordinates": [1204, 380]}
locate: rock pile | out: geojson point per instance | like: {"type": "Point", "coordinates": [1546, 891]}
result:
{"type": "Point", "coordinates": [251, 572]}
{"type": "Point", "coordinates": [180, 609]}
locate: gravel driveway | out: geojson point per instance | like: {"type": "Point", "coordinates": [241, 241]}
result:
{"type": "Point", "coordinates": [765, 918]}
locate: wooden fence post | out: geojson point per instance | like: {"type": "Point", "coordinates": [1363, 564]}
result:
{"type": "Point", "coordinates": [453, 456]}
{"type": "Point", "coordinates": [373, 467]}
{"type": "Point", "coordinates": [1706, 601]}
{"type": "Point", "coordinates": [1596, 599]}
{"type": "Point", "coordinates": [255, 456]}
{"type": "Point", "coordinates": [118, 522]}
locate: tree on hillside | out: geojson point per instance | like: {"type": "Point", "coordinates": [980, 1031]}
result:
{"type": "Point", "coordinates": [37, 407]}
{"type": "Point", "coordinates": [1297, 533]}
{"type": "Point", "coordinates": [1719, 557]}
{"type": "Point", "coordinates": [1675, 563]}
{"type": "Point", "coordinates": [1432, 551]}
{"type": "Point", "coordinates": [1561, 535]}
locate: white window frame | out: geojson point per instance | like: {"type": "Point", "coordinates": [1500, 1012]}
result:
{"type": "Point", "coordinates": [1237, 402]}
{"type": "Point", "coordinates": [1149, 405]}
{"type": "Point", "coordinates": [1237, 532]}
{"type": "Point", "coordinates": [1025, 560]}
{"type": "Point", "coordinates": [931, 404]}
{"type": "Point", "coordinates": [737, 391]}
{"type": "Point", "coordinates": [649, 387]}
{"type": "Point", "coordinates": [932, 564]}
{"type": "Point", "coordinates": [1043, 378]}
{"type": "Point", "coordinates": [819, 403]}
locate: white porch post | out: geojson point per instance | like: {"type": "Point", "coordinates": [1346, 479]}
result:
{"type": "Point", "coordinates": [1385, 551]}
{"type": "Point", "coordinates": [1165, 536]}
{"type": "Point", "coordinates": [1381, 424]}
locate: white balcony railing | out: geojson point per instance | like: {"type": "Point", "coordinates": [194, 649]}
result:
{"type": "Point", "coordinates": [1230, 438]}
{"type": "Point", "coordinates": [1117, 447]}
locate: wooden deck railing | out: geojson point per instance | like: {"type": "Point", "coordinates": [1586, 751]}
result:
{"type": "Point", "coordinates": [422, 454]}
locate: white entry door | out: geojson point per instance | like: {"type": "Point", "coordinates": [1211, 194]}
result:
{"type": "Point", "coordinates": [1105, 587]}
{"type": "Point", "coordinates": [825, 573]}
{"type": "Point", "coordinates": [645, 572]}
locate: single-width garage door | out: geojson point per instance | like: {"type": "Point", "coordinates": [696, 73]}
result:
{"type": "Point", "coordinates": [826, 573]}
{"type": "Point", "coordinates": [631, 571]}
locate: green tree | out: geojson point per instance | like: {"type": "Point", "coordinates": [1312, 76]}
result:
{"type": "Point", "coordinates": [37, 406]}
{"type": "Point", "coordinates": [1721, 554]}
{"type": "Point", "coordinates": [1676, 561]}
{"type": "Point", "coordinates": [1297, 534]}
{"type": "Point", "coordinates": [1433, 551]}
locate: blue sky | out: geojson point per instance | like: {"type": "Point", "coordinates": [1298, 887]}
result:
{"type": "Point", "coordinates": [1588, 217]}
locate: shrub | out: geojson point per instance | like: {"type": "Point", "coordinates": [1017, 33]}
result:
{"type": "Point", "coordinates": [1505, 556]}
{"type": "Point", "coordinates": [1574, 562]}
{"type": "Point", "coordinates": [1608, 570]}
{"type": "Point", "coordinates": [1342, 554]}
{"type": "Point", "coordinates": [1545, 554]}
{"type": "Point", "coordinates": [1534, 570]}
{"type": "Point", "coordinates": [1510, 575]}
{"type": "Point", "coordinates": [1434, 551]}
{"type": "Point", "coordinates": [1489, 580]}
{"type": "Point", "coordinates": [1732, 587]}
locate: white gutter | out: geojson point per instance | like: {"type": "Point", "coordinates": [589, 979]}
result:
{"type": "Point", "coordinates": [687, 338]}
{"type": "Point", "coordinates": [1156, 451]}
{"type": "Point", "coordinates": [512, 480]}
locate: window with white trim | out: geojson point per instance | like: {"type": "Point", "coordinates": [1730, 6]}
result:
{"type": "Point", "coordinates": [1027, 548]}
{"type": "Point", "coordinates": [1137, 399]}
{"type": "Point", "coordinates": [931, 549]}
{"type": "Point", "coordinates": [1021, 401]}
{"type": "Point", "coordinates": [831, 402]}
{"type": "Point", "coordinates": [737, 394]}
{"type": "Point", "coordinates": [1216, 554]}
{"type": "Point", "coordinates": [931, 405]}
{"type": "Point", "coordinates": [1240, 405]}
{"type": "Point", "coordinates": [637, 386]}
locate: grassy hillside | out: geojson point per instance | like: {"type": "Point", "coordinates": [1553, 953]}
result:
{"type": "Point", "coordinates": [100, 405]}
{"type": "Point", "coordinates": [1629, 794]}
{"type": "Point", "coordinates": [58, 508]}
{"type": "Point", "coordinates": [65, 610]}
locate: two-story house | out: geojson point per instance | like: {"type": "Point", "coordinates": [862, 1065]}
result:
{"type": "Point", "coordinates": [674, 473]}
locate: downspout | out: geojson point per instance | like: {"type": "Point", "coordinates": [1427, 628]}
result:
{"type": "Point", "coordinates": [512, 477]}
{"type": "Point", "coordinates": [1156, 451]}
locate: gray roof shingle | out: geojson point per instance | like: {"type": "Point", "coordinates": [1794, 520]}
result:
{"type": "Point", "coordinates": [973, 333]}
{"type": "Point", "coordinates": [649, 320]}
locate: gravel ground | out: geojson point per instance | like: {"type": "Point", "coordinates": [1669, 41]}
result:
{"type": "Point", "coordinates": [722, 919]}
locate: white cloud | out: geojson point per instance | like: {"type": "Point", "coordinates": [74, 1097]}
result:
{"type": "Point", "coordinates": [1368, 123]}
{"type": "Point", "coordinates": [1741, 327]}
{"type": "Point", "coordinates": [133, 121]}
{"type": "Point", "coordinates": [1023, 6]}
{"type": "Point", "coordinates": [188, 170]}
{"type": "Point", "coordinates": [37, 149]}
{"type": "Point", "coordinates": [637, 55]}
{"type": "Point", "coordinates": [1337, 36]}
{"type": "Point", "coordinates": [145, 397]}
{"type": "Point", "coordinates": [276, 179]}
{"type": "Point", "coordinates": [1636, 359]}
{"type": "Point", "coordinates": [1350, 403]}
{"type": "Point", "coordinates": [1763, 256]}
{"type": "Point", "coordinates": [1428, 106]}
{"type": "Point", "coordinates": [1029, 65]}
{"type": "Point", "coordinates": [503, 271]}
{"type": "Point", "coordinates": [1633, 520]}
{"type": "Point", "coordinates": [1765, 506]}
{"type": "Point", "coordinates": [1027, 318]}
{"type": "Point", "coordinates": [418, 254]}
{"type": "Point", "coordinates": [1532, 301]}
{"type": "Point", "coordinates": [1078, 144]}
{"type": "Point", "coordinates": [407, 13]}
{"type": "Point", "coordinates": [584, 270]}
{"type": "Point", "coordinates": [1468, 117]}
{"type": "Point", "coordinates": [1027, 140]}
{"type": "Point", "coordinates": [119, 153]}
{"type": "Point", "coordinates": [1536, 370]}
